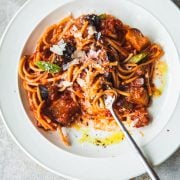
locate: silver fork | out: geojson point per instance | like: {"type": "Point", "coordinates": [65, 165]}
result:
{"type": "Point", "coordinates": [109, 101]}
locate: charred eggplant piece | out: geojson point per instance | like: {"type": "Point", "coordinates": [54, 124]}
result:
{"type": "Point", "coordinates": [69, 49]}
{"type": "Point", "coordinates": [43, 92]}
{"type": "Point", "coordinates": [93, 20]}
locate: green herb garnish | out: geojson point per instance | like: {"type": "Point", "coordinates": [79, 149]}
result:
{"type": "Point", "coordinates": [46, 66]}
{"type": "Point", "coordinates": [102, 16]}
{"type": "Point", "coordinates": [137, 58]}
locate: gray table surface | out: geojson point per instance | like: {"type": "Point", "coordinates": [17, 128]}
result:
{"type": "Point", "coordinates": [15, 165]}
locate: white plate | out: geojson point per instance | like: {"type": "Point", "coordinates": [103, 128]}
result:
{"type": "Point", "coordinates": [156, 32]}
{"type": "Point", "coordinates": [158, 142]}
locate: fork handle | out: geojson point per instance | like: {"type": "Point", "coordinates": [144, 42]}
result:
{"type": "Point", "coordinates": [136, 148]}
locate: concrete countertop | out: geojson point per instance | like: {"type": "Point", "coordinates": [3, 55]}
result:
{"type": "Point", "coordinates": [15, 165]}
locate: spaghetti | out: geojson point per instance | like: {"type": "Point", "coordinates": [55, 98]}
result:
{"type": "Point", "coordinates": [79, 62]}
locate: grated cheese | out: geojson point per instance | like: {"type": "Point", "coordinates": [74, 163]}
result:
{"type": "Point", "coordinates": [134, 122]}
{"type": "Point", "coordinates": [74, 28]}
{"type": "Point", "coordinates": [59, 48]}
{"type": "Point", "coordinates": [73, 62]}
{"type": "Point", "coordinates": [65, 84]}
{"type": "Point", "coordinates": [94, 54]}
{"type": "Point", "coordinates": [91, 30]}
{"type": "Point", "coordinates": [81, 82]}
{"type": "Point", "coordinates": [78, 35]}
{"type": "Point", "coordinates": [79, 54]}
{"type": "Point", "coordinates": [98, 35]}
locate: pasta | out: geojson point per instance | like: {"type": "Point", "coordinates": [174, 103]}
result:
{"type": "Point", "coordinates": [78, 62]}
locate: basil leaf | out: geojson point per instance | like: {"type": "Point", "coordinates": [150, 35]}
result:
{"type": "Point", "coordinates": [46, 66]}
{"type": "Point", "coordinates": [102, 16]}
{"type": "Point", "coordinates": [137, 58]}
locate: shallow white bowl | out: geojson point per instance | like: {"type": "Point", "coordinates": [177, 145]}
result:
{"type": "Point", "coordinates": [114, 158]}
{"type": "Point", "coordinates": [134, 16]}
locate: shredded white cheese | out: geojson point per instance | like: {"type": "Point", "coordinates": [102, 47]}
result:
{"type": "Point", "coordinates": [59, 48]}
{"type": "Point", "coordinates": [78, 54]}
{"type": "Point", "coordinates": [91, 30]}
{"type": "Point", "coordinates": [81, 82]}
{"type": "Point", "coordinates": [73, 62]}
{"type": "Point", "coordinates": [106, 74]}
{"type": "Point", "coordinates": [78, 35]}
{"type": "Point", "coordinates": [139, 81]}
{"type": "Point", "coordinates": [65, 84]}
{"type": "Point", "coordinates": [74, 28]}
{"type": "Point", "coordinates": [98, 35]}
{"type": "Point", "coordinates": [93, 54]}
{"type": "Point", "coordinates": [134, 122]}
{"type": "Point", "coordinates": [75, 32]}
{"type": "Point", "coordinates": [77, 57]}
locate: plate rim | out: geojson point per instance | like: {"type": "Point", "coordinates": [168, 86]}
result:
{"type": "Point", "coordinates": [3, 117]}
